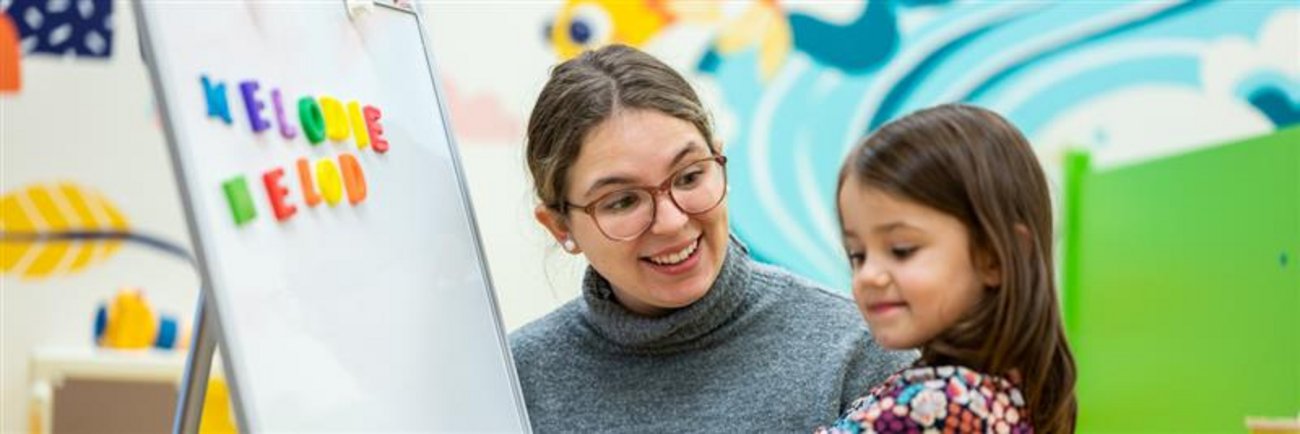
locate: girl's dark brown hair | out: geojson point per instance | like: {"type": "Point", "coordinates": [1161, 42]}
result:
{"type": "Point", "coordinates": [972, 164]}
{"type": "Point", "coordinates": [584, 91]}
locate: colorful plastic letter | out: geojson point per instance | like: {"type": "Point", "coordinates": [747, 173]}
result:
{"type": "Point", "coordinates": [249, 90]}
{"type": "Point", "coordinates": [377, 139]}
{"type": "Point", "coordinates": [286, 130]}
{"type": "Point", "coordinates": [309, 195]}
{"type": "Point", "coordinates": [353, 178]}
{"type": "Point", "coordinates": [336, 120]}
{"type": "Point", "coordinates": [215, 95]}
{"type": "Point", "coordinates": [277, 194]}
{"type": "Point", "coordinates": [313, 121]}
{"type": "Point", "coordinates": [331, 184]}
{"type": "Point", "coordinates": [358, 125]}
{"type": "Point", "coordinates": [241, 202]}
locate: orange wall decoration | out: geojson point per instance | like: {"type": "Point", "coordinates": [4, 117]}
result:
{"type": "Point", "coordinates": [10, 71]}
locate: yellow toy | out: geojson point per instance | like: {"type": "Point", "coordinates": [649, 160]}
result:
{"type": "Point", "coordinates": [128, 322]}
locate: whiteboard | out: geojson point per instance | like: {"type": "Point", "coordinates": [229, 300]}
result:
{"type": "Point", "coordinates": [348, 279]}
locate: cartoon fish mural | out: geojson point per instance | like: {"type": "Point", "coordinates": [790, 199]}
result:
{"type": "Point", "coordinates": [586, 24]}
{"type": "Point", "coordinates": [860, 45]}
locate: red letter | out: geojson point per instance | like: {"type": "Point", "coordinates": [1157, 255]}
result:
{"type": "Point", "coordinates": [377, 139]}
{"type": "Point", "coordinates": [277, 193]}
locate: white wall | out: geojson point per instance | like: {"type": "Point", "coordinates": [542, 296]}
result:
{"type": "Point", "coordinates": [477, 49]}
{"type": "Point", "coordinates": [92, 122]}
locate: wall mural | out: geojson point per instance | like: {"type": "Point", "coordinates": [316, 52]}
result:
{"type": "Point", "coordinates": [83, 28]}
{"type": "Point", "coordinates": [61, 228]}
{"type": "Point", "coordinates": [1126, 80]}
{"type": "Point", "coordinates": [30, 215]}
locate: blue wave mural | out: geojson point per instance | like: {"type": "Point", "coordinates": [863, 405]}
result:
{"type": "Point", "coordinates": [1087, 74]}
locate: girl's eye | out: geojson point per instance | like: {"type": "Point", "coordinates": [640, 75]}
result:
{"type": "Point", "coordinates": [902, 252]}
{"type": "Point", "coordinates": [856, 259]}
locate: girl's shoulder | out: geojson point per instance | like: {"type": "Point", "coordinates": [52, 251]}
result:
{"type": "Point", "coordinates": [947, 398]}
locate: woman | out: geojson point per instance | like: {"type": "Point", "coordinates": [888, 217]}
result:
{"type": "Point", "coordinates": [677, 328]}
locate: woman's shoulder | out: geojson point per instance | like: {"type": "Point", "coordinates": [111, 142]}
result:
{"type": "Point", "coordinates": [787, 284]}
{"type": "Point", "coordinates": [942, 397]}
{"type": "Point", "coordinates": [547, 332]}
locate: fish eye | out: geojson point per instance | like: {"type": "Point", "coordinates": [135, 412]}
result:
{"type": "Point", "coordinates": [590, 26]}
{"type": "Point", "coordinates": [579, 32]}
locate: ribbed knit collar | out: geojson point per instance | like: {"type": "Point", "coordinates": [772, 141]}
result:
{"type": "Point", "coordinates": [680, 328]}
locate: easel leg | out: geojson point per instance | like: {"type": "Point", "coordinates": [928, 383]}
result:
{"type": "Point", "coordinates": [194, 386]}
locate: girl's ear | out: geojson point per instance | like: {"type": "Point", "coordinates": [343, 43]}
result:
{"type": "Point", "coordinates": [990, 269]}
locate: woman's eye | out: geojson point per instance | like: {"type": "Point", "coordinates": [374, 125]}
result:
{"type": "Point", "coordinates": [620, 202]}
{"type": "Point", "coordinates": [902, 252]}
{"type": "Point", "coordinates": [688, 179]}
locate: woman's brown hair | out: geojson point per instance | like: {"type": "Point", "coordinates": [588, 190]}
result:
{"type": "Point", "coordinates": [584, 91]}
{"type": "Point", "coordinates": [970, 163]}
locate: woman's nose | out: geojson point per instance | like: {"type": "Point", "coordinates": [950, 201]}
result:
{"type": "Point", "coordinates": [668, 217]}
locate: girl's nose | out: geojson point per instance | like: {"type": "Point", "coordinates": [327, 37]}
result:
{"type": "Point", "coordinates": [871, 276]}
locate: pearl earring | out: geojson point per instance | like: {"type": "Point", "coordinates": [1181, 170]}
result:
{"type": "Point", "coordinates": [569, 245]}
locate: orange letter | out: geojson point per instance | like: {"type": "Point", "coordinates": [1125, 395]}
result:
{"type": "Point", "coordinates": [353, 178]}
{"type": "Point", "coordinates": [308, 189]}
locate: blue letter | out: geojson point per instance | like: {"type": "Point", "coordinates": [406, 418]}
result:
{"type": "Point", "coordinates": [216, 97]}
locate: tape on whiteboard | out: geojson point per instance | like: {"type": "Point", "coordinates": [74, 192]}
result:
{"type": "Point", "coordinates": [357, 8]}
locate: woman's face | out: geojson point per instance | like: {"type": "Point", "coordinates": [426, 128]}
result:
{"type": "Point", "coordinates": [675, 261]}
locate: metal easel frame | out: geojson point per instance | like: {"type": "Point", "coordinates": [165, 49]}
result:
{"type": "Point", "coordinates": [194, 384]}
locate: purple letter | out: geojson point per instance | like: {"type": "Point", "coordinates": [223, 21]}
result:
{"type": "Point", "coordinates": [248, 88]}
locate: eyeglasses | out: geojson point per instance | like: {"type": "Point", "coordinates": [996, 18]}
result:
{"type": "Point", "coordinates": [626, 214]}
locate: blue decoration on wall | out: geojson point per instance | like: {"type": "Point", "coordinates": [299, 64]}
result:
{"type": "Point", "coordinates": [1035, 62]}
{"type": "Point", "coordinates": [60, 27]}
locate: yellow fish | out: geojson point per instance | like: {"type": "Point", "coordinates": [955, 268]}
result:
{"type": "Point", "coordinates": [588, 24]}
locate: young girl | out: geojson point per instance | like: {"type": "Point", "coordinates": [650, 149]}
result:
{"type": "Point", "coordinates": [948, 229]}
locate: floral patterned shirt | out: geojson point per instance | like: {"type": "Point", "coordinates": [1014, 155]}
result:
{"type": "Point", "coordinates": [942, 399]}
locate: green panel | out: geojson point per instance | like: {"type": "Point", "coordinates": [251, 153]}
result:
{"type": "Point", "coordinates": [1185, 292]}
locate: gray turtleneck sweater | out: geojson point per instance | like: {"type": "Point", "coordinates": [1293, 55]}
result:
{"type": "Point", "coordinates": [762, 351]}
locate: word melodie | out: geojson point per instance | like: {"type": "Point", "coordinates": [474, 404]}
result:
{"type": "Point", "coordinates": [319, 118]}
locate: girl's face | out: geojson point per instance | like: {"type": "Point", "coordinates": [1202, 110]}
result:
{"type": "Point", "coordinates": [914, 274]}
{"type": "Point", "coordinates": [675, 261]}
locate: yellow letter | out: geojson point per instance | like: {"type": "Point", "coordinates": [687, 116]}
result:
{"type": "Point", "coordinates": [336, 121]}
{"type": "Point", "coordinates": [358, 125]}
{"type": "Point", "coordinates": [330, 180]}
